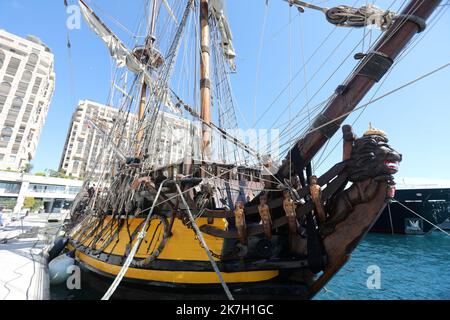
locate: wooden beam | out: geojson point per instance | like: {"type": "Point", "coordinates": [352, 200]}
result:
{"type": "Point", "coordinates": [205, 81]}
{"type": "Point", "coordinates": [141, 114]}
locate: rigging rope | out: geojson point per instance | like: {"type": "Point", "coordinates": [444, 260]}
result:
{"type": "Point", "coordinates": [315, 52]}
{"type": "Point", "coordinates": [258, 62]}
{"type": "Point", "coordinates": [205, 246]}
{"type": "Point", "coordinates": [403, 21]}
{"type": "Point", "coordinates": [295, 76]}
{"type": "Point", "coordinates": [162, 82]}
{"type": "Point", "coordinates": [400, 58]}
{"type": "Point", "coordinates": [393, 32]}
{"type": "Point", "coordinates": [390, 217]}
{"type": "Point", "coordinates": [432, 23]}
{"type": "Point", "coordinates": [382, 96]}
{"type": "Point", "coordinates": [131, 255]}
{"type": "Point", "coordinates": [288, 129]}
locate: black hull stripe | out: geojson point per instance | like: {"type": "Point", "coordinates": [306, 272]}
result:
{"type": "Point", "coordinates": [201, 266]}
{"type": "Point", "coordinates": [274, 288]}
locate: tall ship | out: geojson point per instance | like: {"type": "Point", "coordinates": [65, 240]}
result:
{"type": "Point", "coordinates": [421, 206]}
{"type": "Point", "coordinates": [226, 220]}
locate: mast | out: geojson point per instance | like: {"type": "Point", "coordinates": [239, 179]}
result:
{"type": "Point", "coordinates": [371, 69]}
{"type": "Point", "coordinates": [141, 114]}
{"type": "Point", "coordinates": [150, 39]}
{"type": "Point", "coordinates": [205, 82]}
{"type": "Point", "coordinates": [153, 19]}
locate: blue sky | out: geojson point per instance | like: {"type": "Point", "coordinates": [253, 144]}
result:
{"type": "Point", "coordinates": [416, 118]}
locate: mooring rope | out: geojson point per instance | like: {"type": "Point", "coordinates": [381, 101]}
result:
{"type": "Point", "coordinates": [390, 217]}
{"type": "Point", "coordinates": [130, 257]}
{"type": "Point", "coordinates": [205, 246]}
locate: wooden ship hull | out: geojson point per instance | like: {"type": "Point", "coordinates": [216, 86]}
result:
{"type": "Point", "coordinates": [182, 271]}
{"type": "Point", "coordinates": [171, 231]}
{"type": "Point", "coordinates": [288, 266]}
{"type": "Point", "coordinates": [182, 266]}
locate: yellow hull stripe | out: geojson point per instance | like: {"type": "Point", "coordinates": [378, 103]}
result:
{"type": "Point", "coordinates": [182, 244]}
{"type": "Point", "coordinates": [185, 277]}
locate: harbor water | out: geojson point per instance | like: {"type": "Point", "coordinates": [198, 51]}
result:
{"type": "Point", "coordinates": [410, 267]}
{"type": "Point", "coordinates": [391, 267]}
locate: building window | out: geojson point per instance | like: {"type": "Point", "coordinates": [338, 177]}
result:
{"type": "Point", "coordinates": [79, 147]}
{"type": "Point", "coordinates": [46, 188]}
{"type": "Point", "coordinates": [45, 64]}
{"type": "Point", "coordinates": [13, 114]}
{"type": "Point", "coordinates": [6, 134]}
{"type": "Point", "coordinates": [27, 113]}
{"type": "Point", "coordinates": [26, 76]}
{"type": "Point", "coordinates": [17, 103]}
{"type": "Point", "coordinates": [13, 66]}
{"type": "Point", "coordinates": [5, 87]}
{"type": "Point", "coordinates": [74, 190]}
{"type": "Point", "coordinates": [2, 58]}
{"type": "Point", "coordinates": [7, 187]}
{"type": "Point", "coordinates": [33, 58]}
{"type": "Point", "coordinates": [37, 84]}
{"type": "Point", "coordinates": [2, 102]}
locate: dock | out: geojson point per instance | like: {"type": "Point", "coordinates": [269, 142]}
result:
{"type": "Point", "coordinates": [24, 270]}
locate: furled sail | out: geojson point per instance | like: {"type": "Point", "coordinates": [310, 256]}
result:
{"type": "Point", "coordinates": [123, 56]}
{"type": "Point", "coordinates": [217, 7]}
{"type": "Point", "coordinates": [347, 16]}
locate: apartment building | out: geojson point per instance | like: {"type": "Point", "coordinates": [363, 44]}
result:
{"type": "Point", "coordinates": [86, 153]}
{"type": "Point", "coordinates": [27, 83]}
{"type": "Point", "coordinates": [93, 125]}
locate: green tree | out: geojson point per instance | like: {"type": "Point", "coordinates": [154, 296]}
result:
{"type": "Point", "coordinates": [8, 204]}
{"type": "Point", "coordinates": [37, 205]}
{"type": "Point", "coordinates": [63, 174]}
{"type": "Point", "coordinates": [29, 202]}
{"type": "Point", "coordinates": [40, 174]}
{"type": "Point", "coordinates": [57, 174]}
{"type": "Point", "coordinates": [32, 204]}
{"type": "Point", "coordinates": [52, 173]}
{"type": "Point", "coordinates": [28, 167]}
